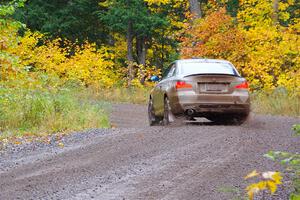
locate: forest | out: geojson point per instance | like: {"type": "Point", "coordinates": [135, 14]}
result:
{"type": "Point", "coordinates": [57, 55]}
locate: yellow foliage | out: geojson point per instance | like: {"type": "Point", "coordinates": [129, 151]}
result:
{"type": "Point", "coordinates": [267, 55]}
{"type": "Point", "coordinates": [8, 39]}
{"type": "Point", "coordinates": [176, 21]}
{"type": "Point", "coordinates": [141, 73]}
{"type": "Point", "coordinates": [91, 66]}
{"type": "Point", "coordinates": [252, 174]}
{"type": "Point", "coordinates": [270, 182]}
{"type": "Point", "coordinates": [157, 2]}
{"type": "Point", "coordinates": [272, 52]}
{"type": "Point", "coordinates": [85, 63]}
{"type": "Point", "coordinates": [175, 3]}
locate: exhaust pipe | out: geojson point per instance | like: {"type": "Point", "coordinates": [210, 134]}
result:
{"type": "Point", "coordinates": [190, 112]}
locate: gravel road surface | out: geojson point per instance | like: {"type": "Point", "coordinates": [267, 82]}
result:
{"type": "Point", "coordinates": [135, 161]}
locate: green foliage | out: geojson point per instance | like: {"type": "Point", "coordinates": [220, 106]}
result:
{"type": "Point", "coordinates": [74, 20]}
{"type": "Point", "coordinates": [125, 95]}
{"type": "Point", "coordinates": [8, 8]}
{"type": "Point", "coordinates": [47, 109]}
{"type": "Point", "coordinates": [296, 128]}
{"type": "Point", "coordinates": [232, 7]}
{"type": "Point", "coordinates": [147, 25]}
{"type": "Point", "coordinates": [144, 22]}
{"type": "Point", "coordinates": [233, 193]}
{"type": "Point", "coordinates": [292, 163]}
{"type": "Point", "coordinates": [79, 21]}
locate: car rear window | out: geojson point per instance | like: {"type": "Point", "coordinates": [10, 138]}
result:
{"type": "Point", "coordinates": [208, 68]}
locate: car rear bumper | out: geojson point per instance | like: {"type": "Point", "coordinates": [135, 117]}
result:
{"type": "Point", "coordinates": [237, 102]}
{"type": "Point", "coordinates": [200, 109]}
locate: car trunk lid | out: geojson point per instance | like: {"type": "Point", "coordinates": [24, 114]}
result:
{"type": "Point", "coordinates": [214, 83]}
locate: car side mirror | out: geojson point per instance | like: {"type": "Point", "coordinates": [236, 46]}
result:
{"type": "Point", "coordinates": [154, 78]}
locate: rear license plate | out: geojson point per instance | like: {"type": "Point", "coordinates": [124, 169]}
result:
{"type": "Point", "coordinates": [216, 87]}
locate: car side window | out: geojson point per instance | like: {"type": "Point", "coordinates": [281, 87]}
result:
{"type": "Point", "coordinates": [172, 71]}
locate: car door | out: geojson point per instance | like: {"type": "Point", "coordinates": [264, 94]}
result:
{"type": "Point", "coordinates": [162, 89]}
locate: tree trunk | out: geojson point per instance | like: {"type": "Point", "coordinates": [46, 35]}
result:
{"type": "Point", "coordinates": [276, 10]}
{"type": "Point", "coordinates": [130, 59]}
{"type": "Point", "coordinates": [141, 50]}
{"type": "Point", "coordinates": [195, 9]}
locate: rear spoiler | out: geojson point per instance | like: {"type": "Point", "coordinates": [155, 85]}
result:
{"type": "Point", "coordinates": [234, 75]}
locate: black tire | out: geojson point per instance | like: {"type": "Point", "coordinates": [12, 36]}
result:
{"type": "Point", "coordinates": [240, 119]}
{"type": "Point", "coordinates": [167, 110]}
{"type": "Point", "coordinates": [153, 119]}
{"type": "Point", "coordinates": [229, 119]}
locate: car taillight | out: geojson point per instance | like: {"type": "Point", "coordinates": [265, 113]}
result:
{"type": "Point", "coordinates": [183, 85]}
{"type": "Point", "coordinates": [243, 85]}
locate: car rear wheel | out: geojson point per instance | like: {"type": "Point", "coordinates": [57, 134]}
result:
{"type": "Point", "coordinates": [240, 119]}
{"type": "Point", "coordinates": [153, 119]}
{"type": "Point", "coordinates": [167, 112]}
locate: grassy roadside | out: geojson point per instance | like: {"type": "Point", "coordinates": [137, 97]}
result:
{"type": "Point", "coordinates": [123, 95]}
{"type": "Point", "coordinates": [43, 112]}
{"type": "Point", "coordinates": [51, 110]}
{"type": "Point", "coordinates": [276, 103]}
{"type": "Point", "coordinates": [39, 112]}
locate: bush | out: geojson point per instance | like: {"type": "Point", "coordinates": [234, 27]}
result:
{"type": "Point", "coordinates": [277, 102]}
{"type": "Point", "coordinates": [38, 112]}
{"type": "Point", "coordinates": [125, 95]}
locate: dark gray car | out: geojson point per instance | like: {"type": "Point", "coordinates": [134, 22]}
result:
{"type": "Point", "coordinates": [200, 88]}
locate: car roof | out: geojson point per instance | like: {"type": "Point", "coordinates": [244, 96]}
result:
{"type": "Point", "coordinates": [198, 60]}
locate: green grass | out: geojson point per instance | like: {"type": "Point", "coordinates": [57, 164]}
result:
{"type": "Point", "coordinates": [232, 193]}
{"type": "Point", "coordinates": [278, 102]}
{"type": "Point", "coordinates": [40, 112]}
{"type": "Point", "coordinates": [62, 109]}
{"type": "Point", "coordinates": [123, 95]}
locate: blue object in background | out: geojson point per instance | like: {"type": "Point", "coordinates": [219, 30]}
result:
{"type": "Point", "coordinates": [154, 78]}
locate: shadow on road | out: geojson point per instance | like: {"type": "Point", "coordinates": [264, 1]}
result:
{"type": "Point", "coordinates": [206, 122]}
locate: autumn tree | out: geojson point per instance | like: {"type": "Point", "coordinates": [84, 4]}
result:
{"type": "Point", "coordinates": [267, 53]}
{"type": "Point", "coordinates": [134, 19]}
{"type": "Point", "coordinates": [9, 63]}
{"type": "Point", "coordinates": [152, 25]}
{"type": "Point", "coordinates": [214, 36]}
{"type": "Point", "coordinates": [165, 43]}
{"type": "Point", "coordinates": [272, 48]}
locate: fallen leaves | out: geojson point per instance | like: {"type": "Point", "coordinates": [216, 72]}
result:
{"type": "Point", "coordinates": [61, 145]}
{"type": "Point", "coordinates": [252, 174]}
{"type": "Point", "coordinates": [268, 181]}
{"type": "Point", "coordinates": [54, 139]}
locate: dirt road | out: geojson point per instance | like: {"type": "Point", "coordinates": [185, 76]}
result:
{"type": "Point", "coordinates": [134, 161]}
